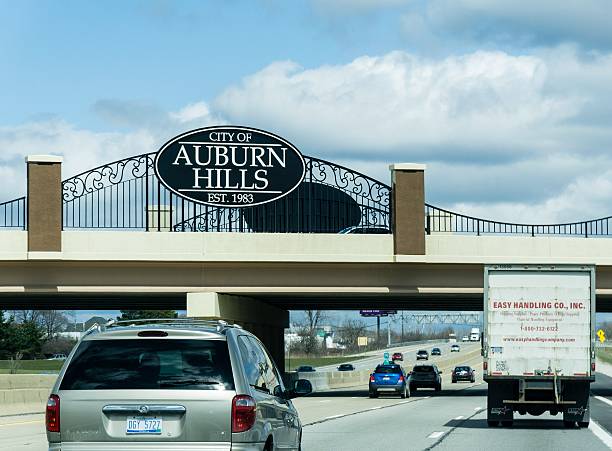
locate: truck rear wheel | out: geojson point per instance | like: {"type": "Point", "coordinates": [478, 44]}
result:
{"type": "Point", "coordinates": [569, 424]}
{"type": "Point", "coordinates": [507, 423]}
{"type": "Point", "coordinates": [492, 423]}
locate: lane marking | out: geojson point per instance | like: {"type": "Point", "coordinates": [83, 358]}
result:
{"type": "Point", "coordinates": [376, 408]}
{"type": "Point", "coordinates": [601, 433]}
{"type": "Point", "coordinates": [21, 422]}
{"type": "Point", "coordinates": [335, 416]}
{"type": "Point", "coordinates": [460, 417]}
{"type": "Point", "coordinates": [325, 400]}
{"type": "Point", "coordinates": [606, 400]}
{"type": "Point", "coordinates": [477, 408]}
{"type": "Point", "coordinates": [436, 434]}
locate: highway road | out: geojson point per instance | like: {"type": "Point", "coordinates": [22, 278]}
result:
{"type": "Point", "coordinates": [453, 419]}
{"type": "Point", "coordinates": [409, 352]}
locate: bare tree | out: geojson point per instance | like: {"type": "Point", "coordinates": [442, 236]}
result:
{"type": "Point", "coordinates": [308, 330]}
{"type": "Point", "coordinates": [350, 330]}
{"type": "Point", "coordinates": [28, 316]}
{"type": "Point", "coordinates": [53, 321]}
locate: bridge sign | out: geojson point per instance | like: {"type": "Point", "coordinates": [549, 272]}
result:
{"type": "Point", "coordinates": [230, 166]}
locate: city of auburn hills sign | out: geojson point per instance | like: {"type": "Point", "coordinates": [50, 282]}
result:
{"type": "Point", "coordinates": [230, 166]}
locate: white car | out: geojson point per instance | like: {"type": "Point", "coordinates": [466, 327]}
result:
{"type": "Point", "coordinates": [465, 338]}
{"type": "Point", "coordinates": [455, 348]}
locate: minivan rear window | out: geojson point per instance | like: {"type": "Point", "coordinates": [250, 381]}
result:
{"type": "Point", "coordinates": [169, 364]}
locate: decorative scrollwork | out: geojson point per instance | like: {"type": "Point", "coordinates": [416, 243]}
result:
{"type": "Point", "coordinates": [107, 175]}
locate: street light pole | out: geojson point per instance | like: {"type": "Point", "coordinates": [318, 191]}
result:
{"type": "Point", "coordinates": [388, 332]}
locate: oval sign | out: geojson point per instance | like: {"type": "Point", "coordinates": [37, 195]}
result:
{"type": "Point", "coordinates": [230, 166]}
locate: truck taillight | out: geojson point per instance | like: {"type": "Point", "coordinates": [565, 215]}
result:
{"type": "Point", "coordinates": [593, 367]}
{"type": "Point", "coordinates": [243, 413]}
{"type": "Point", "coordinates": [485, 366]}
{"type": "Point", "coordinates": [52, 416]}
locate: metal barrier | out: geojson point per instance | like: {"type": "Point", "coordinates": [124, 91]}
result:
{"type": "Point", "coordinates": [445, 221]}
{"type": "Point", "coordinates": [126, 194]}
{"type": "Point", "coordinates": [13, 214]}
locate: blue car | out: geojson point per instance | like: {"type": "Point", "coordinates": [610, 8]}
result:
{"type": "Point", "coordinates": [388, 379]}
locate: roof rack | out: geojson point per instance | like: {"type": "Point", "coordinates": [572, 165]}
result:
{"type": "Point", "coordinates": [218, 324]}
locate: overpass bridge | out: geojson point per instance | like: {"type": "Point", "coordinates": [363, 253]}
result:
{"type": "Point", "coordinates": [116, 237]}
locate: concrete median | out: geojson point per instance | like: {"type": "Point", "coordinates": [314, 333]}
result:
{"type": "Point", "coordinates": [329, 380]}
{"type": "Point", "coordinates": [24, 393]}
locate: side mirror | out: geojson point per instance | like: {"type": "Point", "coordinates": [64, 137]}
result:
{"type": "Point", "coordinates": [302, 387]}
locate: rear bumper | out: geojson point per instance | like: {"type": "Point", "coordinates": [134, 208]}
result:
{"type": "Point", "coordinates": [155, 446]}
{"type": "Point", "coordinates": [380, 388]}
{"type": "Point", "coordinates": [426, 384]}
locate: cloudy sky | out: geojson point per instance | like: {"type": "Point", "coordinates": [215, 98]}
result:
{"type": "Point", "coordinates": [508, 103]}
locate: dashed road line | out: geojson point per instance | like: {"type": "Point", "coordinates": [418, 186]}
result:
{"type": "Point", "coordinates": [600, 433]}
{"type": "Point", "coordinates": [436, 434]}
{"type": "Point", "coordinates": [606, 400]}
{"type": "Point", "coordinates": [460, 417]}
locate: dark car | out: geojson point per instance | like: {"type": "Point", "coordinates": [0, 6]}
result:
{"type": "Point", "coordinates": [425, 376]}
{"type": "Point", "coordinates": [346, 367]}
{"type": "Point", "coordinates": [305, 369]}
{"type": "Point", "coordinates": [463, 373]}
{"type": "Point", "coordinates": [397, 356]}
{"type": "Point", "coordinates": [436, 351]}
{"type": "Point", "coordinates": [388, 379]}
{"type": "Point", "coordinates": [422, 355]}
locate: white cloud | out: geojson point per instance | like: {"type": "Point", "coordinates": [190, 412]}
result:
{"type": "Point", "coordinates": [354, 6]}
{"type": "Point", "coordinates": [198, 111]}
{"type": "Point", "coordinates": [518, 22]}
{"type": "Point", "coordinates": [533, 120]}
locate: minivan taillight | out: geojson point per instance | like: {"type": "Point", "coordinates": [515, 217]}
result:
{"type": "Point", "coordinates": [593, 367]}
{"type": "Point", "coordinates": [53, 414]}
{"type": "Point", "coordinates": [243, 413]}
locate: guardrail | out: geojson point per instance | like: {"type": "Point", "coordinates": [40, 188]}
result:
{"type": "Point", "coordinates": [13, 214]}
{"type": "Point", "coordinates": [446, 221]}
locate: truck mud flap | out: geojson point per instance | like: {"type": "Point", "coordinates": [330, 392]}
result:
{"type": "Point", "coordinates": [579, 412]}
{"type": "Point", "coordinates": [496, 409]}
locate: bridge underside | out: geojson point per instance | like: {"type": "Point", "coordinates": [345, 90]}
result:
{"type": "Point", "coordinates": [79, 285]}
{"type": "Point", "coordinates": [294, 301]}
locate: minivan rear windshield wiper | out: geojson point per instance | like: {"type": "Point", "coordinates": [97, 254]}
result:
{"type": "Point", "coordinates": [188, 382]}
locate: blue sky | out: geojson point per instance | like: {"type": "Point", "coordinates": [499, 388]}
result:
{"type": "Point", "coordinates": [508, 103]}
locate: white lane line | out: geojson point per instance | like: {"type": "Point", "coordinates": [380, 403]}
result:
{"type": "Point", "coordinates": [477, 408]}
{"type": "Point", "coordinates": [601, 433]}
{"type": "Point", "coordinates": [376, 408]}
{"type": "Point", "coordinates": [435, 434]}
{"type": "Point", "coordinates": [460, 417]}
{"type": "Point", "coordinates": [404, 402]}
{"type": "Point", "coordinates": [356, 397]}
{"type": "Point", "coordinates": [606, 400]}
{"type": "Point", "coordinates": [325, 400]}
{"type": "Point", "coordinates": [335, 416]}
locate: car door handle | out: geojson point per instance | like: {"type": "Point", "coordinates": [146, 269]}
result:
{"type": "Point", "coordinates": [143, 409]}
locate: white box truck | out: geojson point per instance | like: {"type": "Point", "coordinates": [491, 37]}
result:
{"type": "Point", "coordinates": [475, 334]}
{"type": "Point", "coordinates": [539, 341]}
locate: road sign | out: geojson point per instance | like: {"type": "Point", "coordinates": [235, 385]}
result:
{"type": "Point", "coordinates": [602, 335]}
{"type": "Point", "coordinates": [377, 312]}
{"type": "Point", "coordinates": [362, 341]}
{"type": "Point", "coordinates": [386, 356]}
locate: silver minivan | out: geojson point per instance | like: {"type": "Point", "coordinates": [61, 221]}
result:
{"type": "Point", "coordinates": [172, 385]}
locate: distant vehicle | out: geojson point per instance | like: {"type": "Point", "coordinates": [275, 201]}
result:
{"type": "Point", "coordinates": [422, 355]}
{"type": "Point", "coordinates": [463, 373]}
{"type": "Point", "coordinates": [436, 351]}
{"type": "Point", "coordinates": [366, 230]}
{"type": "Point", "coordinates": [346, 367]}
{"type": "Point", "coordinates": [390, 379]}
{"type": "Point", "coordinates": [475, 334]}
{"type": "Point", "coordinates": [455, 348]}
{"type": "Point", "coordinates": [425, 376]}
{"type": "Point", "coordinates": [305, 369]}
{"type": "Point", "coordinates": [465, 338]}
{"type": "Point", "coordinates": [58, 357]}
{"type": "Point", "coordinates": [397, 356]}
{"type": "Point", "coordinates": [139, 386]}
{"type": "Point", "coordinates": [452, 338]}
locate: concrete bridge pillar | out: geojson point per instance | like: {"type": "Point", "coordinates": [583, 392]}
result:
{"type": "Point", "coordinates": [44, 203]}
{"type": "Point", "coordinates": [268, 323]}
{"type": "Point", "coordinates": [408, 216]}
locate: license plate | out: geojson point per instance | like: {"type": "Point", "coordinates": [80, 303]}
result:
{"type": "Point", "coordinates": [386, 378]}
{"type": "Point", "coordinates": [143, 425]}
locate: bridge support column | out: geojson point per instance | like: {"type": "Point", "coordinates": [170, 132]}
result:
{"type": "Point", "coordinates": [268, 323]}
{"type": "Point", "coordinates": [44, 203]}
{"type": "Point", "coordinates": [408, 214]}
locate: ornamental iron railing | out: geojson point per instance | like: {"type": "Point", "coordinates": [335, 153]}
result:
{"type": "Point", "coordinates": [126, 194]}
{"type": "Point", "coordinates": [13, 214]}
{"type": "Point", "coordinates": [445, 221]}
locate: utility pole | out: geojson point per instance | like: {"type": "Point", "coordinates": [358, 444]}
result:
{"type": "Point", "coordinates": [402, 326]}
{"type": "Point", "coordinates": [378, 331]}
{"type": "Point", "coordinates": [388, 332]}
